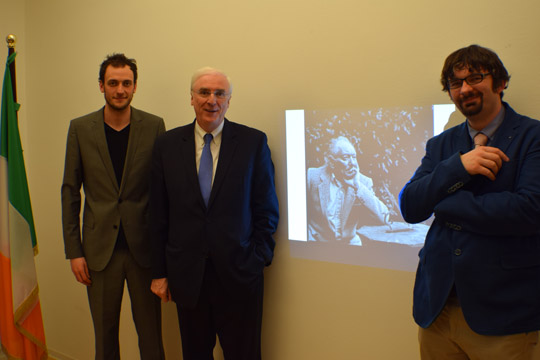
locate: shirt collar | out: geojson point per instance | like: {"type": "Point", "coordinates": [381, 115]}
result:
{"type": "Point", "coordinates": [199, 132]}
{"type": "Point", "coordinates": [491, 128]}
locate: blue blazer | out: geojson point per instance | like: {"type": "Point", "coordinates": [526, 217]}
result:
{"type": "Point", "coordinates": [485, 237]}
{"type": "Point", "coordinates": [236, 229]}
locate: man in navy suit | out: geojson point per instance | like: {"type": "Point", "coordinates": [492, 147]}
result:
{"type": "Point", "coordinates": [211, 246]}
{"type": "Point", "coordinates": [477, 290]}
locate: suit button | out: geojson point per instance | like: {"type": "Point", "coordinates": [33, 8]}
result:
{"type": "Point", "coordinates": [453, 226]}
{"type": "Point", "coordinates": [115, 227]}
{"type": "Point", "coordinates": [457, 252]}
{"type": "Point", "coordinates": [119, 201]}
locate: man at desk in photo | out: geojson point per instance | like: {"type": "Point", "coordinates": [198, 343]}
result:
{"type": "Point", "coordinates": [340, 199]}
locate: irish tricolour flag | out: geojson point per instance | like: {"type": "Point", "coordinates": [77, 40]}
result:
{"type": "Point", "coordinates": [21, 325]}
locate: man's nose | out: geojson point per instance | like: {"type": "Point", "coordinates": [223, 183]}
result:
{"type": "Point", "coordinates": [212, 98]}
{"type": "Point", "coordinates": [465, 87]}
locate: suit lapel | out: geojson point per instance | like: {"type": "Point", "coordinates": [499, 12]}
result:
{"type": "Point", "coordinates": [98, 129]}
{"type": "Point", "coordinates": [186, 152]}
{"type": "Point", "coordinates": [324, 191]}
{"type": "Point", "coordinates": [135, 132]}
{"type": "Point", "coordinates": [350, 198]}
{"type": "Point", "coordinates": [507, 131]}
{"type": "Point", "coordinates": [229, 142]}
{"type": "Point", "coordinates": [462, 140]}
{"type": "Point", "coordinates": [503, 137]}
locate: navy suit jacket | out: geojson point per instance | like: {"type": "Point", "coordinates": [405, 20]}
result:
{"type": "Point", "coordinates": [236, 229]}
{"type": "Point", "coordinates": [485, 237]}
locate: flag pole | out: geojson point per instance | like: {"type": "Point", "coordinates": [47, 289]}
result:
{"type": "Point", "coordinates": [11, 40]}
{"type": "Point", "coordinates": [21, 323]}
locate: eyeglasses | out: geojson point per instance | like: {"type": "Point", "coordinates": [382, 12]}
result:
{"type": "Point", "coordinates": [205, 93]}
{"type": "Point", "coordinates": [472, 79]}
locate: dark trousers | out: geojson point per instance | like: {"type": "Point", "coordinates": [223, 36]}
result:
{"type": "Point", "coordinates": [105, 297]}
{"type": "Point", "coordinates": [236, 320]}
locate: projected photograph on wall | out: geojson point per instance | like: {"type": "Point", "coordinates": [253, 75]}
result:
{"type": "Point", "coordinates": [345, 169]}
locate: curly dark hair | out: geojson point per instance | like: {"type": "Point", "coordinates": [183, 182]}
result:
{"type": "Point", "coordinates": [117, 60]}
{"type": "Point", "coordinates": [477, 59]}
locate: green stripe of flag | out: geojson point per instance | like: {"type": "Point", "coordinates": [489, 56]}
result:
{"type": "Point", "coordinates": [11, 149]}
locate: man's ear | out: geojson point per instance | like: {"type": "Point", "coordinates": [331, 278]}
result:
{"type": "Point", "coordinates": [502, 87]}
{"type": "Point", "coordinates": [329, 159]}
{"type": "Point", "coordinates": [450, 95]}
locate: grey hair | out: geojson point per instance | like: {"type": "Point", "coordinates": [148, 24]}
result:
{"type": "Point", "coordinates": [207, 70]}
{"type": "Point", "coordinates": [338, 140]}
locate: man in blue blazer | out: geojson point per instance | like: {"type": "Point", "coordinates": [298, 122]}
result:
{"type": "Point", "coordinates": [477, 290]}
{"type": "Point", "coordinates": [211, 246]}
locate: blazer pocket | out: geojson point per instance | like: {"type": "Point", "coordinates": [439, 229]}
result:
{"type": "Point", "coordinates": [249, 261]}
{"type": "Point", "coordinates": [143, 155]}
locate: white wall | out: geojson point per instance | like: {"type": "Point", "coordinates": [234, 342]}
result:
{"type": "Point", "coordinates": [280, 54]}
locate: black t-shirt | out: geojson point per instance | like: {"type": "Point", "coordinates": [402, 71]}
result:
{"type": "Point", "coordinates": [117, 141]}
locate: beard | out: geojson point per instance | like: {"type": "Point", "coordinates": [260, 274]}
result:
{"type": "Point", "coordinates": [472, 108]}
{"type": "Point", "coordinates": [116, 107]}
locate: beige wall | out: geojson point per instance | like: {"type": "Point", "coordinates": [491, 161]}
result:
{"type": "Point", "coordinates": [281, 54]}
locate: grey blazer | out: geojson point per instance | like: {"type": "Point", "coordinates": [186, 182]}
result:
{"type": "Point", "coordinates": [106, 202]}
{"type": "Point", "coordinates": [360, 206]}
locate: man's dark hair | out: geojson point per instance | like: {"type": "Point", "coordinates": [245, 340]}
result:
{"type": "Point", "coordinates": [118, 60]}
{"type": "Point", "coordinates": [475, 58]}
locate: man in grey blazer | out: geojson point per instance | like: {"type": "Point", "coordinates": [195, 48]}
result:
{"type": "Point", "coordinates": [109, 153]}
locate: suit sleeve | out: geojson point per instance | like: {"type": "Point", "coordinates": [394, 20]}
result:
{"type": "Point", "coordinates": [509, 206]}
{"type": "Point", "coordinates": [71, 196]}
{"type": "Point", "coordinates": [264, 204]}
{"type": "Point", "coordinates": [161, 128]}
{"type": "Point", "coordinates": [159, 214]}
{"type": "Point", "coordinates": [514, 210]}
{"type": "Point", "coordinates": [367, 197]}
{"type": "Point", "coordinates": [433, 181]}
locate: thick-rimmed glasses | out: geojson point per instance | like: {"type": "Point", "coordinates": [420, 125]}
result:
{"type": "Point", "coordinates": [472, 79]}
{"type": "Point", "coordinates": [205, 93]}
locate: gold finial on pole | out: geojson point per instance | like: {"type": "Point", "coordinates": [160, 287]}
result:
{"type": "Point", "coordinates": [11, 40]}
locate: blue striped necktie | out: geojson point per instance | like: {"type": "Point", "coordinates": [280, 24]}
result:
{"type": "Point", "coordinates": [206, 169]}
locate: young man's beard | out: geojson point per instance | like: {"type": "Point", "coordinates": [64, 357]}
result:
{"type": "Point", "coordinates": [116, 107]}
{"type": "Point", "coordinates": [472, 110]}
